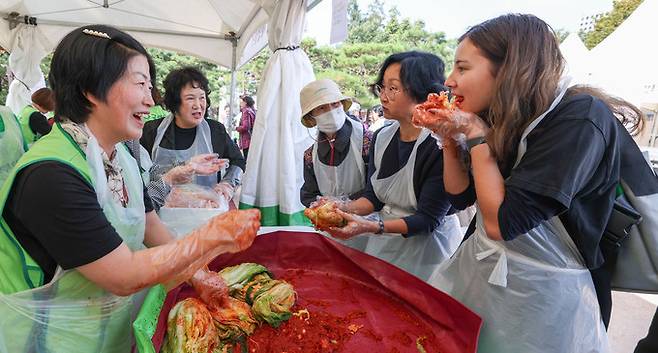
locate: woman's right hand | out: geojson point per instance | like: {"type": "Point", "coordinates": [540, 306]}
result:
{"type": "Point", "coordinates": [235, 230]}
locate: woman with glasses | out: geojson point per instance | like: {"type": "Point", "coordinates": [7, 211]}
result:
{"type": "Point", "coordinates": [417, 228]}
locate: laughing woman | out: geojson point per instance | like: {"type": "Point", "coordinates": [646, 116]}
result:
{"type": "Point", "coordinates": [188, 132]}
{"type": "Point", "coordinates": [76, 218]}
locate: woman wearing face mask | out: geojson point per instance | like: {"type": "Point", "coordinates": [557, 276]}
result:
{"type": "Point", "coordinates": [174, 140]}
{"type": "Point", "coordinates": [542, 204]}
{"type": "Point", "coordinates": [336, 163]}
{"type": "Point", "coordinates": [418, 229]}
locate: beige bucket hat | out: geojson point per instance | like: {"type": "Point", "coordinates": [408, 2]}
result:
{"type": "Point", "coordinates": [317, 93]}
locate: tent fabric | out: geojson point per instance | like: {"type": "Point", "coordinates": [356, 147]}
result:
{"type": "Point", "coordinates": [27, 50]}
{"type": "Point", "coordinates": [208, 29]}
{"type": "Point", "coordinates": [576, 55]}
{"type": "Point", "coordinates": [626, 48]}
{"type": "Point", "coordinates": [274, 172]}
{"type": "Point", "coordinates": [195, 27]}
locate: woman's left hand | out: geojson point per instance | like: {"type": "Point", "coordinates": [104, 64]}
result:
{"type": "Point", "coordinates": [355, 225]}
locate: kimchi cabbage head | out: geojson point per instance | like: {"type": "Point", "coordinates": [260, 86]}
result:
{"type": "Point", "coordinates": [190, 329]}
{"type": "Point", "coordinates": [271, 301]}
{"type": "Point", "coordinates": [234, 320]}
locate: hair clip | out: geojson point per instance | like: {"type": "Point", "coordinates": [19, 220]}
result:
{"type": "Point", "coordinates": [95, 33]}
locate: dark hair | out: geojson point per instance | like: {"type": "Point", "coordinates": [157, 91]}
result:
{"type": "Point", "coordinates": [45, 98]}
{"type": "Point", "coordinates": [90, 64]}
{"type": "Point", "coordinates": [527, 65]}
{"type": "Point", "coordinates": [177, 79]}
{"type": "Point", "coordinates": [249, 101]}
{"type": "Point", "coordinates": [421, 73]}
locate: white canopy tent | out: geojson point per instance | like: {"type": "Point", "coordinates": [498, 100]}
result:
{"type": "Point", "coordinates": [624, 63]}
{"type": "Point", "coordinates": [226, 32]}
{"type": "Point", "coordinates": [577, 57]}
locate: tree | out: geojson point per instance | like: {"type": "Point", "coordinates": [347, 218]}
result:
{"type": "Point", "coordinates": [372, 36]}
{"type": "Point", "coordinates": [605, 25]}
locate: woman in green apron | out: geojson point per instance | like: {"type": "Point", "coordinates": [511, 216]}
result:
{"type": "Point", "coordinates": [544, 166]}
{"type": "Point", "coordinates": [75, 218]}
{"type": "Point", "coordinates": [12, 144]}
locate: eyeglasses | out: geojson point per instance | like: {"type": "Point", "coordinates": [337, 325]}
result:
{"type": "Point", "coordinates": [389, 91]}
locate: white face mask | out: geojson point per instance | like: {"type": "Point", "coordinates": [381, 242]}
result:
{"type": "Point", "coordinates": [331, 121]}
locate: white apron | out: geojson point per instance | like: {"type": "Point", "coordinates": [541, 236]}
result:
{"type": "Point", "coordinates": [534, 292]}
{"type": "Point", "coordinates": [71, 314]}
{"type": "Point", "coordinates": [419, 254]}
{"type": "Point", "coordinates": [169, 158]}
{"type": "Point", "coordinates": [344, 179]}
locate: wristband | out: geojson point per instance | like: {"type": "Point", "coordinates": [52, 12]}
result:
{"type": "Point", "coordinates": [470, 143]}
{"type": "Point", "coordinates": [381, 227]}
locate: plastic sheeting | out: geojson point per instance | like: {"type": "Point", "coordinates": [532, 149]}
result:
{"type": "Point", "coordinates": [27, 47]}
{"type": "Point", "coordinates": [332, 278]}
{"type": "Point", "coordinates": [196, 27]}
{"type": "Point", "coordinates": [274, 167]}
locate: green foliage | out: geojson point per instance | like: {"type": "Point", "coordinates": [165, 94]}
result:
{"type": "Point", "coordinates": [372, 36]}
{"type": "Point", "coordinates": [607, 24]}
{"type": "Point", "coordinates": [4, 82]}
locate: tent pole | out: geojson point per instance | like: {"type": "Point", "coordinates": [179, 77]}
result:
{"type": "Point", "coordinates": [229, 120]}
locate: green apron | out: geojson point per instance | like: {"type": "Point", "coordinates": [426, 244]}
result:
{"type": "Point", "coordinates": [70, 314]}
{"type": "Point", "coordinates": [24, 120]}
{"type": "Point", "coordinates": [12, 144]}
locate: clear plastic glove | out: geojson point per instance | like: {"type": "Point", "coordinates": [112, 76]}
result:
{"type": "Point", "coordinates": [232, 231]}
{"type": "Point", "coordinates": [193, 196]}
{"type": "Point", "coordinates": [210, 287]}
{"type": "Point", "coordinates": [355, 225]}
{"type": "Point", "coordinates": [456, 125]}
{"type": "Point", "coordinates": [202, 164]}
{"type": "Point", "coordinates": [207, 164]}
{"type": "Point", "coordinates": [225, 189]}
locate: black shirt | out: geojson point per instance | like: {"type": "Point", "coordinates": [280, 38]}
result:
{"type": "Point", "coordinates": [432, 201]}
{"type": "Point", "coordinates": [55, 216]}
{"type": "Point", "coordinates": [177, 138]}
{"type": "Point", "coordinates": [39, 124]}
{"type": "Point", "coordinates": [571, 168]}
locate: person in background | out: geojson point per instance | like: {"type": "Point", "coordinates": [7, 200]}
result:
{"type": "Point", "coordinates": [417, 229]}
{"type": "Point", "coordinates": [246, 126]}
{"type": "Point", "coordinates": [12, 144]}
{"type": "Point", "coordinates": [187, 132]}
{"type": "Point", "coordinates": [336, 164]}
{"type": "Point", "coordinates": [530, 264]}
{"type": "Point", "coordinates": [33, 120]}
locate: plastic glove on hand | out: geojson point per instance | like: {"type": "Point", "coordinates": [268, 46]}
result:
{"type": "Point", "coordinates": [178, 175]}
{"type": "Point", "coordinates": [225, 189]}
{"type": "Point", "coordinates": [236, 230]}
{"type": "Point", "coordinates": [355, 225]}
{"type": "Point", "coordinates": [207, 164]}
{"type": "Point", "coordinates": [210, 287]}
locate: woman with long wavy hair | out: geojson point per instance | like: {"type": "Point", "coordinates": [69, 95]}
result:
{"type": "Point", "coordinates": [543, 166]}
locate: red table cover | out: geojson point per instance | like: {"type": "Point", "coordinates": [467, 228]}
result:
{"type": "Point", "coordinates": [399, 308]}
